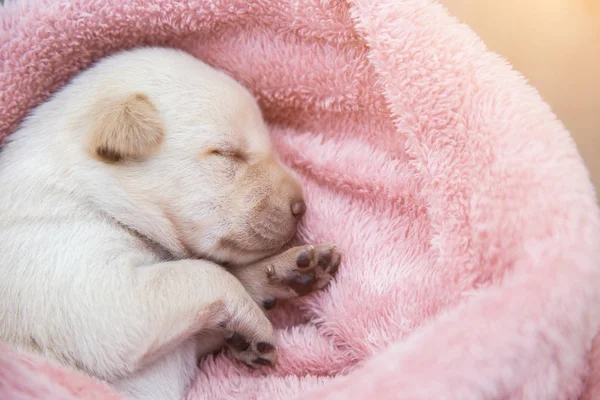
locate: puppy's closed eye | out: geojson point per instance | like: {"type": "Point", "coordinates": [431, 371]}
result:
{"type": "Point", "coordinates": [235, 155]}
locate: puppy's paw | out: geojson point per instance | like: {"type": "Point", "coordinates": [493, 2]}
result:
{"type": "Point", "coordinates": [252, 353]}
{"type": "Point", "coordinates": [311, 269]}
{"type": "Point", "coordinates": [249, 335]}
{"type": "Point", "coordinates": [296, 272]}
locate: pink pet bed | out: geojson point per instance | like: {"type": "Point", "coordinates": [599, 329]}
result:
{"type": "Point", "coordinates": [470, 227]}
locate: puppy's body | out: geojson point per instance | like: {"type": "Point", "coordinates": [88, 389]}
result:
{"type": "Point", "coordinates": [120, 197]}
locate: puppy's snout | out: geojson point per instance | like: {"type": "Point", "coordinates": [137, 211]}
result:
{"type": "Point", "coordinates": [298, 209]}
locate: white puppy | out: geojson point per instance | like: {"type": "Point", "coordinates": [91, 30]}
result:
{"type": "Point", "coordinates": [141, 212]}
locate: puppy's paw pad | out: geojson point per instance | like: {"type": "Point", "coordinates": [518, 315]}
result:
{"type": "Point", "coordinates": [305, 258]}
{"type": "Point", "coordinates": [264, 347]}
{"type": "Point", "coordinates": [302, 283]}
{"type": "Point", "coordinates": [316, 265]}
{"type": "Point", "coordinates": [237, 342]}
{"type": "Point", "coordinates": [324, 257]}
{"type": "Point", "coordinates": [269, 304]}
{"type": "Point", "coordinates": [297, 272]}
{"type": "Point", "coordinates": [252, 354]}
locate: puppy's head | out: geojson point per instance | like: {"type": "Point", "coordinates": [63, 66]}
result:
{"type": "Point", "coordinates": [189, 147]}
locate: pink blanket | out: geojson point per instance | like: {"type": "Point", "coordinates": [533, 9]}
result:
{"type": "Point", "coordinates": [469, 224]}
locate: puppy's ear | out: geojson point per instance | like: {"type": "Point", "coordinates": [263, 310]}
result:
{"type": "Point", "coordinates": [127, 129]}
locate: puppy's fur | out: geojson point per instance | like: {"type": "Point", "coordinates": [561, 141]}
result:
{"type": "Point", "coordinates": [141, 212]}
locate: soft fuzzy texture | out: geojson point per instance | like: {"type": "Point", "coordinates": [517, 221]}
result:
{"type": "Point", "coordinates": [468, 221]}
{"type": "Point", "coordinates": [25, 377]}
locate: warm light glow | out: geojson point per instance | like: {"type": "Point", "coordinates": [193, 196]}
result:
{"type": "Point", "coordinates": [556, 45]}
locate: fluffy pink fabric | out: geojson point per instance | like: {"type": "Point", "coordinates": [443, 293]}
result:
{"type": "Point", "coordinates": [468, 221]}
{"type": "Point", "coordinates": [25, 377]}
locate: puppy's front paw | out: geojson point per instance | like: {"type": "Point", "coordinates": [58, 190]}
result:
{"type": "Point", "coordinates": [311, 269]}
{"type": "Point", "coordinates": [296, 272]}
{"type": "Point", "coordinates": [252, 353]}
{"type": "Point", "coordinates": [249, 334]}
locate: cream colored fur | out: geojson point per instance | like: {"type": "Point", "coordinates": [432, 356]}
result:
{"type": "Point", "coordinates": [137, 207]}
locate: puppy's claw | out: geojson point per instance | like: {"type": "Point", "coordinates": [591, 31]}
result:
{"type": "Point", "coordinates": [270, 271]}
{"type": "Point", "coordinates": [335, 264]}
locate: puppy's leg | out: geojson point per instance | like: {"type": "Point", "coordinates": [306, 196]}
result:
{"type": "Point", "coordinates": [168, 378]}
{"type": "Point", "coordinates": [188, 297]}
{"type": "Point", "coordinates": [186, 300]}
{"type": "Point", "coordinates": [293, 273]}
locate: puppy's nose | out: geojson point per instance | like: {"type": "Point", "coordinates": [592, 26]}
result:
{"type": "Point", "coordinates": [298, 209]}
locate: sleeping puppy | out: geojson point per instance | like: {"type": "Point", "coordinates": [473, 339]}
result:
{"type": "Point", "coordinates": [143, 214]}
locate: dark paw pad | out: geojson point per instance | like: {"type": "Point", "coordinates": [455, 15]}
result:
{"type": "Point", "coordinates": [264, 347]}
{"type": "Point", "coordinates": [325, 259]}
{"type": "Point", "coordinates": [304, 258]}
{"type": "Point", "coordinates": [238, 342]}
{"type": "Point", "coordinates": [302, 284]}
{"type": "Point", "coordinates": [269, 304]}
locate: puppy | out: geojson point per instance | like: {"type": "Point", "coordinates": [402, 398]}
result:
{"type": "Point", "coordinates": [142, 216]}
